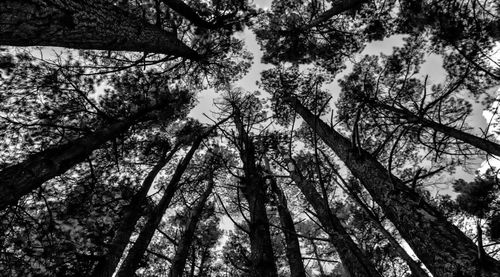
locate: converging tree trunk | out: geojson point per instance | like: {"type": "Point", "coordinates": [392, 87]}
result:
{"type": "Point", "coordinates": [84, 24]}
{"type": "Point", "coordinates": [352, 258]}
{"type": "Point", "coordinates": [131, 214]}
{"type": "Point", "coordinates": [415, 268]}
{"type": "Point", "coordinates": [254, 190]}
{"type": "Point", "coordinates": [291, 239]}
{"type": "Point", "coordinates": [136, 252]}
{"type": "Point", "coordinates": [181, 254]}
{"type": "Point", "coordinates": [440, 245]}
{"type": "Point", "coordinates": [22, 178]}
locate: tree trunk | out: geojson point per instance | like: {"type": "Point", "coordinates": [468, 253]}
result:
{"type": "Point", "coordinates": [182, 252]}
{"type": "Point", "coordinates": [415, 268]}
{"type": "Point", "coordinates": [441, 246]}
{"type": "Point", "coordinates": [291, 239]}
{"type": "Point", "coordinates": [254, 190]}
{"type": "Point", "coordinates": [22, 178]}
{"type": "Point", "coordinates": [351, 256]}
{"type": "Point", "coordinates": [84, 24]}
{"type": "Point", "coordinates": [131, 214]}
{"type": "Point", "coordinates": [135, 254]}
{"type": "Point", "coordinates": [480, 143]}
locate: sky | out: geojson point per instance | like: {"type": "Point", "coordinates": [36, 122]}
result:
{"type": "Point", "coordinates": [432, 67]}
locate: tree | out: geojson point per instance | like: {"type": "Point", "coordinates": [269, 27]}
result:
{"type": "Point", "coordinates": [93, 24]}
{"type": "Point", "coordinates": [244, 110]}
{"type": "Point", "coordinates": [131, 262]}
{"type": "Point", "coordinates": [403, 213]}
{"type": "Point", "coordinates": [20, 179]}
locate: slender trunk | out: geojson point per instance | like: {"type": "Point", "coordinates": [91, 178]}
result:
{"type": "Point", "coordinates": [291, 239]}
{"type": "Point", "coordinates": [415, 268]}
{"type": "Point", "coordinates": [440, 245]}
{"type": "Point", "coordinates": [254, 190]}
{"type": "Point", "coordinates": [22, 178]}
{"type": "Point", "coordinates": [204, 255]}
{"type": "Point", "coordinates": [182, 252]}
{"type": "Point", "coordinates": [131, 214]}
{"type": "Point", "coordinates": [318, 258]}
{"type": "Point", "coordinates": [351, 256]}
{"type": "Point", "coordinates": [135, 254]}
{"type": "Point", "coordinates": [480, 143]}
{"type": "Point", "coordinates": [193, 262]}
{"type": "Point", "coordinates": [84, 24]}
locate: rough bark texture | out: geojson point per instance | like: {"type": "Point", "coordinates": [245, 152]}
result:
{"type": "Point", "coordinates": [22, 178]}
{"type": "Point", "coordinates": [254, 190]}
{"type": "Point", "coordinates": [480, 143]}
{"type": "Point", "coordinates": [291, 239]}
{"type": "Point", "coordinates": [135, 254]}
{"type": "Point", "coordinates": [131, 214]}
{"type": "Point", "coordinates": [182, 252]}
{"type": "Point", "coordinates": [84, 24]}
{"type": "Point", "coordinates": [415, 268]}
{"type": "Point", "coordinates": [440, 245]}
{"type": "Point", "coordinates": [351, 256]}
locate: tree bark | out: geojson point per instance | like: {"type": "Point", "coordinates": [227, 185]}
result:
{"type": "Point", "coordinates": [182, 252]}
{"type": "Point", "coordinates": [134, 256]}
{"type": "Point", "coordinates": [351, 256]}
{"type": "Point", "coordinates": [254, 190]}
{"type": "Point", "coordinates": [480, 143]}
{"type": "Point", "coordinates": [291, 239]}
{"type": "Point", "coordinates": [131, 214]}
{"type": "Point", "coordinates": [22, 178]}
{"type": "Point", "coordinates": [84, 24]}
{"type": "Point", "coordinates": [415, 268]}
{"type": "Point", "coordinates": [440, 245]}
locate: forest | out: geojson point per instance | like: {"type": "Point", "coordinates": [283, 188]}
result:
{"type": "Point", "coordinates": [339, 164]}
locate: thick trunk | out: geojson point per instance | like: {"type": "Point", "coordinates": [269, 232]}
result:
{"type": "Point", "coordinates": [135, 254]}
{"type": "Point", "coordinates": [22, 178]}
{"type": "Point", "coordinates": [131, 214]}
{"type": "Point", "coordinates": [254, 190]}
{"type": "Point", "coordinates": [84, 24]}
{"type": "Point", "coordinates": [291, 239]}
{"type": "Point", "coordinates": [440, 245]}
{"type": "Point", "coordinates": [182, 252]}
{"type": "Point", "coordinates": [480, 143]}
{"type": "Point", "coordinates": [351, 256]}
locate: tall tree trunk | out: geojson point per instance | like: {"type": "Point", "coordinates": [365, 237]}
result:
{"type": "Point", "coordinates": [135, 254]}
{"type": "Point", "coordinates": [440, 245]}
{"type": "Point", "coordinates": [480, 143]}
{"type": "Point", "coordinates": [415, 268]}
{"type": "Point", "coordinates": [131, 214]}
{"type": "Point", "coordinates": [84, 24]}
{"type": "Point", "coordinates": [181, 254]}
{"type": "Point", "coordinates": [351, 256]}
{"type": "Point", "coordinates": [22, 178]}
{"type": "Point", "coordinates": [254, 190]}
{"type": "Point", "coordinates": [291, 239]}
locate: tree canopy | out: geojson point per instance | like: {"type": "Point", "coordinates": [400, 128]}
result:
{"type": "Point", "coordinates": [340, 163]}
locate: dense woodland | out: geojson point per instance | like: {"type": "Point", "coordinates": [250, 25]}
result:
{"type": "Point", "coordinates": [103, 173]}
